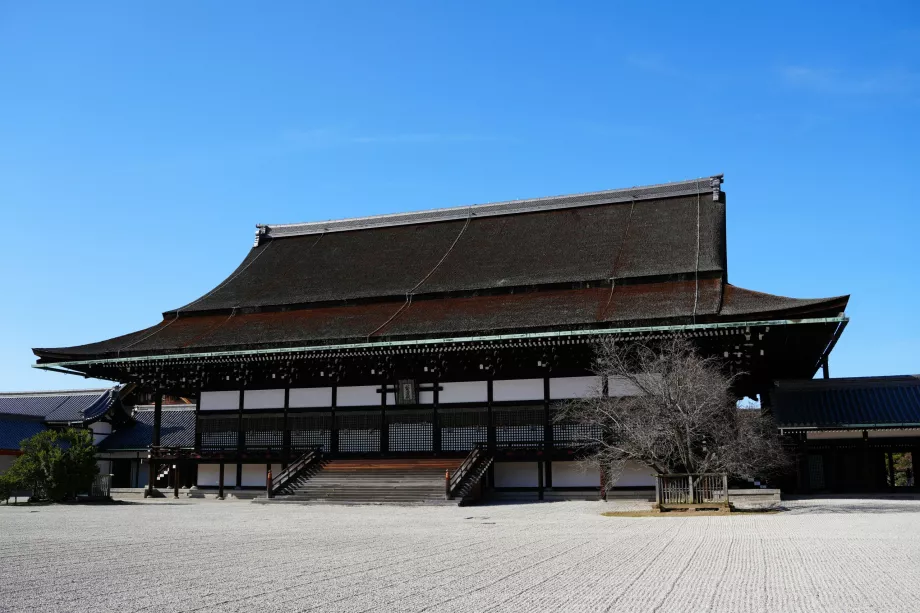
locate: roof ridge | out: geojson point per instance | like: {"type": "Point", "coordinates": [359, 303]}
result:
{"type": "Point", "coordinates": [509, 207]}
{"type": "Point", "coordinates": [37, 394]}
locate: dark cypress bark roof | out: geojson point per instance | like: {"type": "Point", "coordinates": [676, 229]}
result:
{"type": "Point", "coordinates": [857, 402]}
{"type": "Point", "coordinates": [641, 256]}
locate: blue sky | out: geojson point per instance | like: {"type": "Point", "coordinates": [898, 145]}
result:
{"type": "Point", "coordinates": [141, 142]}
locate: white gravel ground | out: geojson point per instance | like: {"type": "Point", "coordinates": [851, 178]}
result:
{"type": "Point", "coordinates": [824, 555]}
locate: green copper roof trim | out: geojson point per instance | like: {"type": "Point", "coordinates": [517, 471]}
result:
{"type": "Point", "coordinates": [446, 340]}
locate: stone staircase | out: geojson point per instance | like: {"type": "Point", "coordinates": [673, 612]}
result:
{"type": "Point", "coordinates": [390, 481]}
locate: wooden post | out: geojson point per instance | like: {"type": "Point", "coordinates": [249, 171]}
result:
{"type": "Point", "coordinates": [240, 441]}
{"type": "Point", "coordinates": [268, 483]}
{"type": "Point", "coordinates": [725, 487]}
{"type": "Point", "coordinates": [690, 485]}
{"type": "Point", "coordinates": [548, 443]}
{"type": "Point", "coordinates": [540, 479]}
{"type": "Point", "coordinates": [447, 484]}
{"type": "Point", "coordinates": [286, 430]}
{"type": "Point", "coordinates": [155, 443]}
{"type": "Point", "coordinates": [176, 479]}
{"type": "Point", "coordinates": [334, 426]}
{"type": "Point", "coordinates": [220, 482]}
{"type": "Point", "coordinates": [825, 367]}
{"type": "Point", "coordinates": [658, 490]}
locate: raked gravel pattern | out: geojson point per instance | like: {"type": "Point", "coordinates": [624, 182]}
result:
{"type": "Point", "coordinates": [831, 555]}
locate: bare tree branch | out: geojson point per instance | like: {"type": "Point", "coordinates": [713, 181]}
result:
{"type": "Point", "coordinates": [672, 410]}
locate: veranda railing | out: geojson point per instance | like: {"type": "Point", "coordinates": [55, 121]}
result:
{"type": "Point", "coordinates": [691, 489]}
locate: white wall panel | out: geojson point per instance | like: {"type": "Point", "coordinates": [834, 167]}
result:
{"type": "Point", "coordinates": [572, 474]}
{"type": "Point", "coordinates": [303, 397]}
{"type": "Point", "coordinates": [635, 475]}
{"type": "Point", "coordinates": [358, 396]}
{"type": "Point", "coordinates": [220, 401]}
{"type": "Point", "coordinates": [517, 389]}
{"type": "Point", "coordinates": [263, 399]}
{"type": "Point", "coordinates": [618, 386]}
{"type": "Point", "coordinates": [426, 398]}
{"type": "Point", "coordinates": [254, 475]}
{"type": "Point", "coordinates": [574, 387]}
{"type": "Point", "coordinates": [464, 391]}
{"type": "Point", "coordinates": [208, 475]}
{"type": "Point", "coordinates": [516, 474]}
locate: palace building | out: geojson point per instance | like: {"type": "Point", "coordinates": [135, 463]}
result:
{"type": "Point", "coordinates": [442, 340]}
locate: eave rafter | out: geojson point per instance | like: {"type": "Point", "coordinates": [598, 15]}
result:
{"type": "Point", "coordinates": [742, 343]}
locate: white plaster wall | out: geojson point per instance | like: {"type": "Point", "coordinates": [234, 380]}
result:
{"type": "Point", "coordinates": [516, 474]}
{"type": "Point", "coordinates": [100, 430]}
{"type": "Point", "coordinates": [5, 462]}
{"type": "Point", "coordinates": [358, 396]}
{"type": "Point", "coordinates": [426, 398]}
{"type": "Point", "coordinates": [208, 475]}
{"type": "Point", "coordinates": [517, 389]}
{"type": "Point", "coordinates": [303, 397]}
{"type": "Point", "coordinates": [636, 475]}
{"type": "Point", "coordinates": [464, 391]}
{"type": "Point", "coordinates": [254, 475]}
{"type": "Point", "coordinates": [618, 386]}
{"type": "Point", "coordinates": [571, 474]}
{"type": "Point", "coordinates": [574, 387]}
{"type": "Point", "coordinates": [263, 399]}
{"type": "Point", "coordinates": [391, 399]}
{"type": "Point", "coordinates": [220, 401]}
{"type": "Point", "coordinates": [101, 427]}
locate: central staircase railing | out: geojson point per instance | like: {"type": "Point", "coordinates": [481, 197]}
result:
{"type": "Point", "coordinates": [470, 470]}
{"type": "Point", "coordinates": [277, 483]}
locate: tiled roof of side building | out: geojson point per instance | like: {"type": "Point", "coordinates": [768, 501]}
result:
{"type": "Point", "coordinates": [860, 402]}
{"type": "Point", "coordinates": [177, 429]}
{"type": "Point", "coordinates": [58, 406]}
{"type": "Point", "coordinates": [14, 430]}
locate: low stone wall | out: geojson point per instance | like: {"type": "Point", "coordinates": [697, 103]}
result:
{"type": "Point", "coordinates": [754, 496]}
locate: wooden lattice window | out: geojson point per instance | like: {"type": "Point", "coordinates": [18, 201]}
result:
{"type": "Point", "coordinates": [219, 432]}
{"type": "Point", "coordinates": [359, 431]}
{"type": "Point", "coordinates": [264, 431]}
{"type": "Point", "coordinates": [518, 424]}
{"type": "Point", "coordinates": [311, 430]}
{"type": "Point", "coordinates": [410, 430]}
{"type": "Point", "coordinates": [463, 428]}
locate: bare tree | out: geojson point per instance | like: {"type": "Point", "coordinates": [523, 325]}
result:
{"type": "Point", "coordinates": [673, 410]}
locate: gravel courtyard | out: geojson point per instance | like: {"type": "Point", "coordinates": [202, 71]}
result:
{"type": "Point", "coordinates": [827, 555]}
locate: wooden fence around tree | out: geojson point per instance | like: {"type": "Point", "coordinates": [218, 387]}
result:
{"type": "Point", "coordinates": [688, 490]}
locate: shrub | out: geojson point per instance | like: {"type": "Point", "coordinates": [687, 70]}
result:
{"type": "Point", "coordinates": [56, 465]}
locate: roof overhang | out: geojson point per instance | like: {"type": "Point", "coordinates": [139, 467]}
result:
{"type": "Point", "coordinates": [700, 328]}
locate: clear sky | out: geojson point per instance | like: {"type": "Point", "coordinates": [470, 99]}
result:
{"type": "Point", "coordinates": [140, 142]}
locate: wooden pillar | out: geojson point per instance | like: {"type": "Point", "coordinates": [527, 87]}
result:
{"type": "Point", "coordinates": [435, 421]}
{"type": "Point", "coordinates": [540, 479]}
{"type": "Point", "coordinates": [334, 425]}
{"type": "Point", "coordinates": [286, 430]}
{"type": "Point", "coordinates": [490, 428]}
{"type": "Point", "coordinates": [220, 482]}
{"type": "Point", "coordinates": [867, 464]}
{"type": "Point", "coordinates": [825, 367]}
{"type": "Point", "coordinates": [155, 442]}
{"type": "Point", "coordinates": [240, 441]}
{"type": "Point", "coordinates": [176, 478]}
{"type": "Point", "coordinates": [384, 428]}
{"type": "Point", "coordinates": [548, 445]}
{"type": "Point", "coordinates": [198, 421]}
